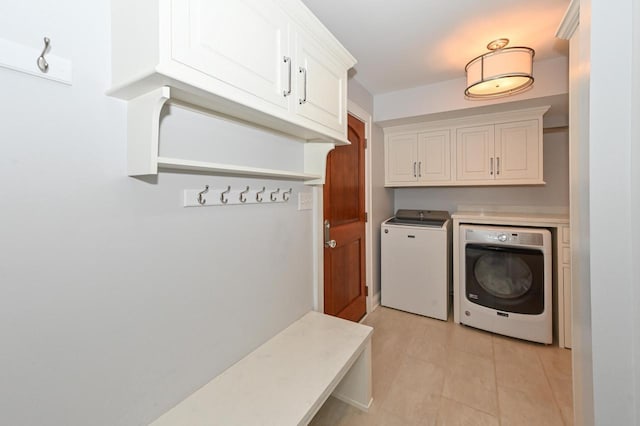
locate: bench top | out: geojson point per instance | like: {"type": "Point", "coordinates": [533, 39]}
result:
{"type": "Point", "coordinates": [282, 381]}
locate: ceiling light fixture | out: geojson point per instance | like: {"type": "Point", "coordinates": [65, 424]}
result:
{"type": "Point", "coordinates": [501, 72]}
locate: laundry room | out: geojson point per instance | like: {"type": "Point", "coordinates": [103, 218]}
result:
{"type": "Point", "coordinates": [292, 212]}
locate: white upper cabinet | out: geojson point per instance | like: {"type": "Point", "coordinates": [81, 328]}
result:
{"type": "Point", "coordinates": [321, 84]}
{"type": "Point", "coordinates": [492, 149]}
{"type": "Point", "coordinates": [401, 152]}
{"type": "Point", "coordinates": [243, 43]}
{"type": "Point", "coordinates": [434, 156]}
{"type": "Point", "coordinates": [518, 151]}
{"type": "Point", "coordinates": [267, 62]}
{"type": "Point", "coordinates": [475, 153]}
{"type": "Point", "coordinates": [418, 157]}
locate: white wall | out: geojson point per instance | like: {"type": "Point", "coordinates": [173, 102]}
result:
{"type": "Point", "coordinates": [550, 198]}
{"type": "Point", "coordinates": [115, 301]}
{"type": "Point", "coordinates": [550, 75]}
{"type": "Point", "coordinates": [614, 187]}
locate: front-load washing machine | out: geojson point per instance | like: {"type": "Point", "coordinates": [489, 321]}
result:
{"type": "Point", "coordinates": [506, 281]}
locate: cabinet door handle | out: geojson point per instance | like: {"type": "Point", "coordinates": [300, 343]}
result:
{"type": "Point", "coordinates": [415, 173]}
{"type": "Point", "coordinates": [303, 100]}
{"type": "Point", "coordinates": [497, 165]}
{"type": "Point", "coordinates": [420, 169]}
{"type": "Point", "coordinates": [491, 166]}
{"type": "Point", "coordinates": [287, 60]}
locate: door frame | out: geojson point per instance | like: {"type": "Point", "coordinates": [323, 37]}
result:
{"type": "Point", "coordinates": [318, 218]}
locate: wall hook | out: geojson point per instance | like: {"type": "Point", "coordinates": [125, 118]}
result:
{"type": "Point", "coordinates": [42, 62]}
{"type": "Point", "coordinates": [223, 198]}
{"type": "Point", "coordinates": [243, 195]}
{"type": "Point", "coordinates": [287, 194]}
{"type": "Point", "coordinates": [201, 200]}
{"type": "Point", "coordinates": [259, 194]}
{"type": "Point", "coordinates": [274, 194]}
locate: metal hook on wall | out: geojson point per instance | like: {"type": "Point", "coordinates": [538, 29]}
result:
{"type": "Point", "coordinates": [223, 198]}
{"type": "Point", "coordinates": [259, 194]}
{"type": "Point", "coordinates": [287, 194]}
{"type": "Point", "coordinates": [201, 200]}
{"type": "Point", "coordinates": [42, 62]}
{"type": "Point", "coordinates": [243, 195]}
{"type": "Point", "coordinates": [274, 194]}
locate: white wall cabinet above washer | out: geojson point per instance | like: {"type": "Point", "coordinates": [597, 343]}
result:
{"type": "Point", "coordinates": [502, 152]}
{"type": "Point", "coordinates": [267, 62]}
{"type": "Point", "coordinates": [492, 149]}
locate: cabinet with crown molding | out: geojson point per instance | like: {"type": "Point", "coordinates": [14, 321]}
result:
{"type": "Point", "coordinates": [490, 149]}
{"type": "Point", "coordinates": [267, 62]}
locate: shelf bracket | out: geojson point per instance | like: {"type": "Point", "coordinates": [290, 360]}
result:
{"type": "Point", "coordinates": [315, 160]}
{"type": "Point", "coordinates": [143, 131]}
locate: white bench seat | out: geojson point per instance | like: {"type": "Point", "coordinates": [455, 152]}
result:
{"type": "Point", "coordinates": [287, 379]}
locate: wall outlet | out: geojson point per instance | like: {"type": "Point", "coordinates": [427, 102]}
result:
{"type": "Point", "coordinates": [305, 200]}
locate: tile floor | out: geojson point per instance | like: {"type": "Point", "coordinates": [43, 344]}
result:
{"type": "Point", "coordinates": [430, 372]}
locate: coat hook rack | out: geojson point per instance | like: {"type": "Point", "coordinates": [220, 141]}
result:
{"type": "Point", "coordinates": [227, 196]}
{"type": "Point", "coordinates": [42, 62]}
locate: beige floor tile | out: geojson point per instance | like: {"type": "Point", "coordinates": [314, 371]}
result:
{"type": "Point", "coordinates": [427, 370]}
{"type": "Point", "coordinates": [431, 346]}
{"type": "Point", "coordinates": [471, 380]}
{"type": "Point", "coordinates": [453, 413]}
{"type": "Point", "coordinates": [415, 392]}
{"type": "Point", "coordinates": [518, 408]}
{"type": "Point", "coordinates": [518, 367]}
{"type": "Point", "coordinates": [471, 340]}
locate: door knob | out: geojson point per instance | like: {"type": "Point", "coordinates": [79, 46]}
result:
{"type": "Point", "coordinates": [328, 242]}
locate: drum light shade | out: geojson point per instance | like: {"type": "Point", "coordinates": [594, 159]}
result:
{"type": "Point", "coordinates": [501, 72]}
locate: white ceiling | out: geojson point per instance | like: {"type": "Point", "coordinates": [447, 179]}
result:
{"type": "Point", "coordinates": [407, 43]}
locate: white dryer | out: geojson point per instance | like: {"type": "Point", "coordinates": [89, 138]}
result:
{"type": "Point", "coordinates": [505, 280]}
{"type": "Point", "coordinates": [415, 262]}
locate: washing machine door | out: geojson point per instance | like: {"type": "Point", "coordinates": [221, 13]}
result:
{"type": "Point", "coordinates": [504, 278]}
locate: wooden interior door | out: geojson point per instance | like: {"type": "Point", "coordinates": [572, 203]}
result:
{"type": "Point", "coordinates": [344, 261]}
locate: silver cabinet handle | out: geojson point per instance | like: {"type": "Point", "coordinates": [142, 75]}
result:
{"type": "Point", "coordinates": [287, 60]}
{"type": "Point", "coordinates": [328, 242]}
{"type": "Point", "coordinates": [491, 166]}
{"type": "Point", "coordinates": [303, 100]}
{"type": "Point", "coordinates": [420, 169]}
{"type": "Point", "coordinates": [497, 165]}
{"type": "Point", "coordinates": [415, 173]}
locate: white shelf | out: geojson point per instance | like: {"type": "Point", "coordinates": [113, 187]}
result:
{"type": "Point", "coordinates": [217, 168]}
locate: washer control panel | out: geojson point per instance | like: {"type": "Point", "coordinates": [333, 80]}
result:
{"type": "Point", "coordinates": [504, 236]}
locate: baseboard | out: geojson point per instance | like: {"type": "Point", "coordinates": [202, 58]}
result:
{"type": "Point", "coordinates": [376, 301]}
{"type": "Point", "coordinates": [353, 403]}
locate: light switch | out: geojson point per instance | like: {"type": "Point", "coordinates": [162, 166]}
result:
{"type": "Point", "coordinates": [305, 200]}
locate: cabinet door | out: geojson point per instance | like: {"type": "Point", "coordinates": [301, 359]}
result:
{"type": "Point", "coordinates": [434, 156]}
{"type": "Point", "coordinates": [475, 153]}
{"type": "Point", "coordinates": [518, 150]}
{"type": "Point", "coordinates": [321, 85]}
{"type": "Point", "coordinates": [241, 43]}
{"type": "Point", "coordinates": [402, 158]}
